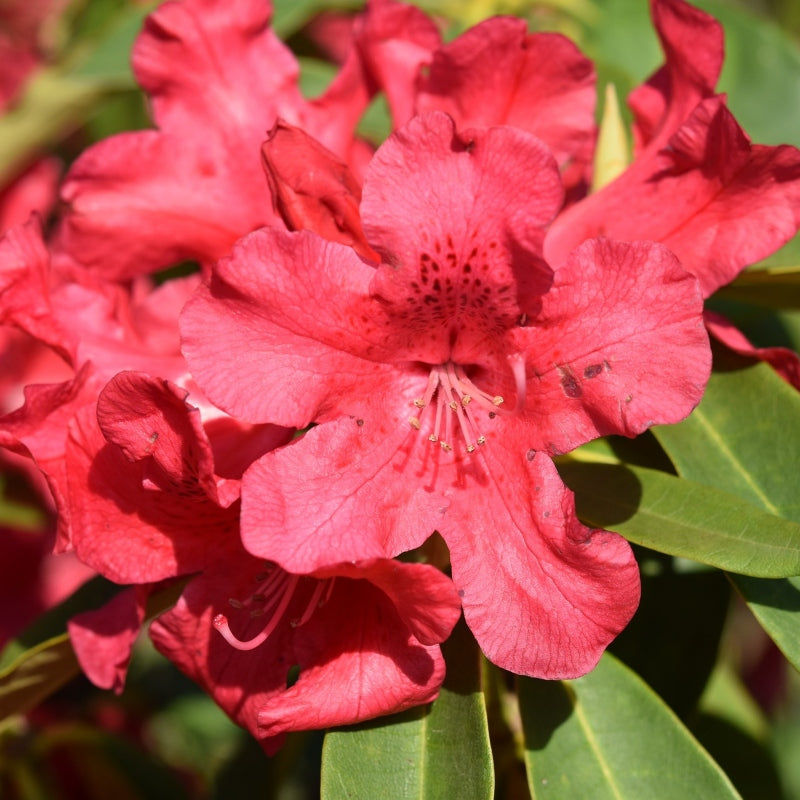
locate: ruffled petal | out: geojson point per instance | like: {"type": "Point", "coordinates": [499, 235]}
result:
{"type": "Point", "coordinates": [287, 332]}
{"type": "Point", "coordinates": [543, 594]}
{"type": "Point", "coordinates": [150, 418]}
{"type": "Point", "coordinates": [103, 639]}
{"type": "Point", "coordinates": [424, 597]}
{"type": "Point", "coordinates": [128, 527]}
{"type": "Point", "coordinates": [618, 346]}
{"type": "Point", "coordinates": [348, 490]}
{"type": "Point", "coordinates": [694, 49]}
{"type": "Point", "coordinates": [395, 41]}
{"type": "Point", "coordinates": [25, 288]}
{"type": "Point", "coordinates": [193, 198]}
{"type": "Point", "coordinates": [463, 266]}
{"type": "Point", "coordinates": [496, 73]}
{"type": "Point", "coordinates": [718, 202]}
{"type": "Point", "coordinates": [372, 666]}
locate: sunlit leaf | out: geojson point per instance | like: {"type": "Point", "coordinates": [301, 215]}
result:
{"type": "Point", "coordinates": [608, 735]}
{"type": "Point", "coordinates": [423, 753]}
{"type": "Point", "coordinates": [36, 674]}
{"type": "Point", "coordinates": [744, 438]}
{"type": "Point", "coordinates": [683, 518]}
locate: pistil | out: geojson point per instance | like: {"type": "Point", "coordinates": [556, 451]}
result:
{"type": "Point", "coordinates": [272, 599]}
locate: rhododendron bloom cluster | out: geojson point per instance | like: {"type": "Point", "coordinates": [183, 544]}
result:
{"type": "Point", "coordinates": [384, 345]}
{"type": "Point", "coordinates": [443, 378]}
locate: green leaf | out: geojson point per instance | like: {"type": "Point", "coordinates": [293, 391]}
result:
{"type": "Point", "coordinates": [35, 675]}
{"type": "Point", "coordinates": [58, 99]}
{"type": "Point", "coordinates": [291, 15]}
{"type": "Point", "coordinates": [672, 642]}
{"type": "Point", "coordinates": [744, 437]}
{"type": "Point", "coordinates": [682, 518]}
{"type": "Point", "coordinates": [774, 287]}
{"type": "Point", "coordinates": [608, 735]}
{"type": "Point", "coordinates": [759, 74]}
{"type": "Point", "coordinates": [422, 753]}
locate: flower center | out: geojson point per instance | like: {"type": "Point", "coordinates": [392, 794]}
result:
{"type": "Point", "coordinates": [275, 591]}
{"type": "Point", "coordinates": [460, 405]}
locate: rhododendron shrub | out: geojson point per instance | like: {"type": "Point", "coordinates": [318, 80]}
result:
{"type": "Point", "coordinates": [387, 407]}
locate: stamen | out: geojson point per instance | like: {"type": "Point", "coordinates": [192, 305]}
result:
{"type": "Point", "coordinates": [311, 607]}
{"type": "Point", "coordinates": [459, 402]}
{"type": "Point", "coordinates": [220, 621]}
{"type": "Point", "coordinates": [517, 362]}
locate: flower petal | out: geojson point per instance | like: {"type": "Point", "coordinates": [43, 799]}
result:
{"type": "Point", "coordinates": [718, 202]}
{"type": "Point", "coordinates": [372, 666]}
{"type": "Point", "coordinates": [128, 528]}
{"type": "Point", "coordinates": [395, 40]}
{"type": "Point", "coordinates": [464, 265]}
{"type": "Point", "coordinates": [496, 73]}
{"type": "Point", "coordinates": [619, 346]}
{"type": "Point", "coordinates": [348, 490]}
{"type": "Point", "coordinates": [693, 46]}
{"type": "Point", "coordinates": [103, 638]}
{"type": "Point", "coordinates": [424, 597]}
{"type": "Point", "coordinates": [543, 594]}
{"type": "Point", "coordinates": [287, 319]}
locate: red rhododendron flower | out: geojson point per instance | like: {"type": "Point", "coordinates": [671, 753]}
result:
{"type": "Point", "coordinates": [363, 637]}
{"type": "Point", "coordinates": [92, 330]}
{"type": "Point", "coordinates": [218, 77]}
{"type": "Point", "coordinates": [444, 377]}
{"type": "Point", "coordinates": [697, 184]}
{"type": "Point", "coordinates": [496, 73]}
{"type": "Point", "coordinates": [150, 504]}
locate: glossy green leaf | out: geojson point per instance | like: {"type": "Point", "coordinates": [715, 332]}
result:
{"type": "Point", "coordinates": [683, 518]}
{"type": "Point", "coordinates": [609, 736]}
{"type": "Point", "coordinates": [744, 437]}
{"type": "Point", "coordinates": [36, 674]}
{"type": "Point", "coordinates": [424, 753]}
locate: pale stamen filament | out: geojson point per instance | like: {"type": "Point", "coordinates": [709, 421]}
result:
{"type": "Point", "coordinates": [272, 585]}
{"type": "Point", "coordinates": [313, 603]}
{"type": "Point", "coordinates": [455, 405]}
{"type": "Point", "coordinates": [457, 402]}
{"type": "Point", "coordinates": [434, 437]}
{"type": "Point", "coordinates": [220, 621]}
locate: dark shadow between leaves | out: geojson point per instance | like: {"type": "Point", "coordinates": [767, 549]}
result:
{"type": "Point", "coordinates": [544, 706]}
{"type": "Point", "coordinates": [605, 494]}
{"type": "Point", "coordinates": [774, 593]}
